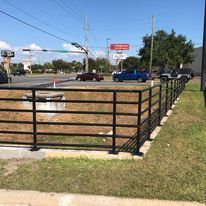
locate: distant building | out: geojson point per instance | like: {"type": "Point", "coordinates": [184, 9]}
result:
{"type": "Point", "coordinates": [197, 64]}
{"type": "Point", "coordinates": [27, 64]}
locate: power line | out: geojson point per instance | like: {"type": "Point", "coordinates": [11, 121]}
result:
{"type": "Point", "coordinates": [67, 11]}
{"type": "Point", "coordinates": [74, 11]}
{"type": "Point", "coordinates": [34, 27]}
{"type": "Point", "coordinates": [33, 17]}
{"type": "Point", "coordinates": [48, 14]}
{"type": "Point", "coordinates": [77, 8]}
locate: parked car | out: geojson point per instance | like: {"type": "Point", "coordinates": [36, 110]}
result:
{"type": "Point", "coordinates": [89, 76]}
{"type": "Point", "coordinates": [131, 75]}
{"type": "Point", "coordinates": [185, 74]}
{"type": "Point", "coordinates": [4, 77]}
{"type": "Point", "coordinates": [18, 72]}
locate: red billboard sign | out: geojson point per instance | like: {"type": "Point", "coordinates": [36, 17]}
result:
{"type": "Point", "coordinates": [119, 46]}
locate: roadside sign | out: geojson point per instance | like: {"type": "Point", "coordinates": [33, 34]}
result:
{"type": "Point", "coordinates": [119, 46]}
{"type": "Point", "coordinates": [120, 56]}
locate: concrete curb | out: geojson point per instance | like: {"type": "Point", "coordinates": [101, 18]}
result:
{"type": "Point", "coordinates": [34, 198]}
{"type": "Point", "coordinates": [20, 153]}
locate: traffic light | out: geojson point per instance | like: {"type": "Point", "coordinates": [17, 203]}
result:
{"type": "Point", "coordinates": [4, 53]}
{"type": "Point", "coordinates": [12, 54]}
{"type": "Point", "coordinates": [26, 49]}
{"type": "Point", "coordinates": [7, 53]}
{"type": "Point", "coordinates": [76, 45]}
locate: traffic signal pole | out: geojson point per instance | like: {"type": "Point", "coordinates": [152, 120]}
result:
{"type": "Point", "coordinates": [203, 73]}
{"type": "Point", "coordinates": [86, 28]}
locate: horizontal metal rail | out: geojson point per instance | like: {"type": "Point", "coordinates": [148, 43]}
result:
{"type": "Point", "coordinates": [152, 104]}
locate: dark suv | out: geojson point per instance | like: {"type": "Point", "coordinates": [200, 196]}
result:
{"type": "Point", "coordinates": [4, 77]}
{"type": "Point", "coordinates": [18, 72]}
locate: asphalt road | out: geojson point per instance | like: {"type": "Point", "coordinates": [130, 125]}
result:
{"type": "Point", "coordinates": [36, 80]}
{"type": "Point", "coordinates": [62, 81]}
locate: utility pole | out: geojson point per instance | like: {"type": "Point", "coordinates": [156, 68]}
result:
{"type": "Point", "coordinates": [107, 49]}
{"type": "Point", "coordinates": [152, 45]}
{"type": "Point", "coordinates": [30, 62]}
{"type": "Point", "coordinates": [86, 28]}
{"type": "Point", "coordinates": [203, 73]}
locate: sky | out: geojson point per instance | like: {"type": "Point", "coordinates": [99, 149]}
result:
{"type": "Point", "coordinates": [120, 21]}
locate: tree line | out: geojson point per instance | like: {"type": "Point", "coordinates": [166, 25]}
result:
{"type": "Point", "coordinates": [170, 51]}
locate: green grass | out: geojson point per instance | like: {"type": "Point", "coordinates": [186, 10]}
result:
{"type": "Point", "coordinates": [174, 168]}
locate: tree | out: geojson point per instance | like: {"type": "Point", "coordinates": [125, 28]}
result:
{"type": "Point", "coordinates": [130, 62]}
{"type": "Point", "coordinates": [2, 68]}
{"type": "Point", "coordinates": [37, 68]}
{"type": "Point", "coordinates": [102, 65]}
{"type": "Point", "coordinates": [170, 50]}
{"type": "Point", "coordinates": [48, 67]}
{"type": "Point", "coordinates": [76, 66]}
{"type": "Point", "coordinates": [60, 66]}
{"type": "Point", "coordinates": [92, 64]}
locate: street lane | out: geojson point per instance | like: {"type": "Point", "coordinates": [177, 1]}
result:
{"type": "Point", "coordinates": [46, 80]}
{"type": "Point", "coordinates": [35, 80]}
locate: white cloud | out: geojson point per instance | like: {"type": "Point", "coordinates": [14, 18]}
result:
{"type": "Point", "coordinates": [69, 47]}
{"type": "Point", "coordinates": [4, 45]}
{"type": "Point", "coordinates": [34, 46]}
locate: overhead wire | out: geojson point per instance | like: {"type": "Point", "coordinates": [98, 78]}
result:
{"type": "Point", "coordinates": [42, 22]}
{"type": "Point", "coordinates": [77, 8]}
{"type": "Point", "coordinates": [67, 11]}
{"type": "Point", "coordinates": [72, 9]}
{"type": "Point", "coordinates": [34, 27]}
{"type": "Point", "coordinates": [46, 13]}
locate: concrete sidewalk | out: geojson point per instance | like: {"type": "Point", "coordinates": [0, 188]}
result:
{"type": "Point", "coordinates": [33, 198]}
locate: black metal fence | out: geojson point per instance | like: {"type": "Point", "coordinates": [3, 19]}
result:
{"type": "Point", "coordinates": [130, 120]}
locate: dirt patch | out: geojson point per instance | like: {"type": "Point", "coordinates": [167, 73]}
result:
{"type": "Point", "coordinates": [13, 164]}
{"type": "Point", "coordinates": [74, 118]}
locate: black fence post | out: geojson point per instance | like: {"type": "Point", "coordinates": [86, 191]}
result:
{"type": "Point", "coordinates": [114, 123]}
{"type": "Point", "coordinates": [34, 145]}
{"type": "Point", "coordinates": [171, 94]}
{"type": "Point", "coordinates": [149, 113]}
{"type": "Point", "coordinates": [139, 117]}
{"type": "Point", "coordinates": [166, 98]}
{"type": "Point", "coordinates": [160, 104]}
{"type": "Point", "coordinates": [175, 90]}
{"type": "Point", "coordinates": [178, 87]}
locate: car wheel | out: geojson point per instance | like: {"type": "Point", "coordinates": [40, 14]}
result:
{"type": "Point", "coordinates": [186, 79]}
{"type": "Point", "coordinates": [94, 80]}
{"type": "Point", "coordinates": [163, 79]}
{"type": "Point", "coordinates": [116, 79]}
{"type": "Point", "coordinates": [140, 79]}
{"type": "Point", "coordinates": [78, 79]}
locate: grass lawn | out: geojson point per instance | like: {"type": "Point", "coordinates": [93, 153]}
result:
{"type": "Point", "coordinates": [174, 168]}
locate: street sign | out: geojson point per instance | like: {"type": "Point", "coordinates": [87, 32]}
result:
{"type": "Point", "coordinates": [120, 56]}
{"type": "Point", "coordinates": [119, 46]}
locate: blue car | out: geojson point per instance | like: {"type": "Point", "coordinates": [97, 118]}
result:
{"type": "Point", "coordinates": [131, 75]}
